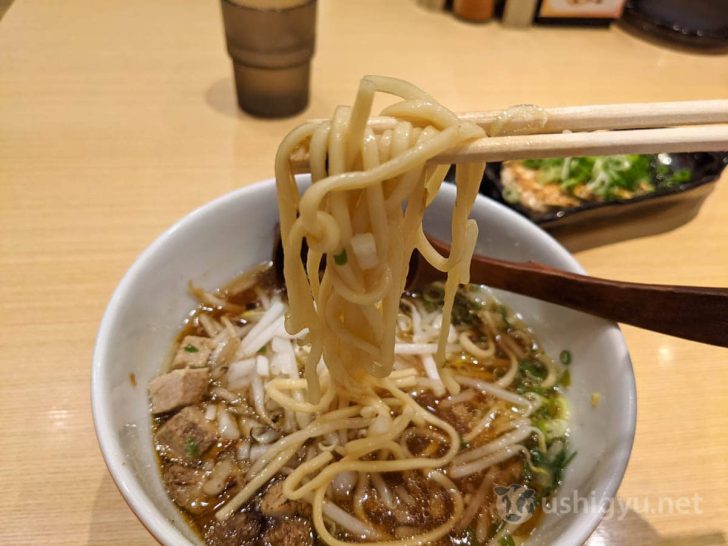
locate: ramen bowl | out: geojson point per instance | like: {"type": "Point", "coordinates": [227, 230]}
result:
{"type": "Point", "coordinates": [229, 235]}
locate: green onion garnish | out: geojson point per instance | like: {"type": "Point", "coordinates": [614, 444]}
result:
{"type": "Point", "coordinates": [341, 258]}
{"type": "Point", "coordinates": [192, 450]}
{"type": "Point", "coordinates": [507, 540]}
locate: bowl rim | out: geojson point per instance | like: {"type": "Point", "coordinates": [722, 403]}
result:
{"type": "Point", "coordinates": [141, 505]}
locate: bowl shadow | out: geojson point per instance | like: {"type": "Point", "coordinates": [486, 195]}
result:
{"type": "Point", "coordinates": [112, 521]}
{"type": "Point", "coordinates": [220, 96]}
{"type": "Point", "coordinates": [637, 224]}
{"type": "Point", "coordinates": [630, 527]}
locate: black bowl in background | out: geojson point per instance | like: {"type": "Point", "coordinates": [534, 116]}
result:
{"type": "Point", "coordinates": [696, 24]}
{"type": "Point", "coordinates": [706, 168]}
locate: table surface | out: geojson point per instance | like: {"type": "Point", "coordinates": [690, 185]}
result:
{"type": "Point", "coordinates": [117, 118]}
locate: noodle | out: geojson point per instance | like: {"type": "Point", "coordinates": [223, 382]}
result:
{"type": "Point", "coordinates": [390, 176]}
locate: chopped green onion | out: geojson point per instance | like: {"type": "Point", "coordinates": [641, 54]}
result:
{"type": "Point", "coordinates": [503, 312]}
{"type": "Point", "coordinates": [681, 176]}
{"type": "Point", "coordinates": [568, 459]}
{"type": "Point", "coordinates": [565, 357]}
{"type": "Point", "coordinates": [532, 368]}
{"type": "Point", "coordinates": [511, 195]}
{"type": "Point", "coordinates": [433, 293]}
{"type": "Point", "coordinates": [191, 348]}
{"type": "Point", "coordinates": [192, 450]}
{"type": "Point", "coordinates": [507, 540]}
{"type": "Point", "coordinates": [565, 380]}
{"type": "Point", "coordinates": [606, 177]}
{"type": "Point", "coordinates": [433, 296]}
{"type": "Point", "coordinates": [341, 258]}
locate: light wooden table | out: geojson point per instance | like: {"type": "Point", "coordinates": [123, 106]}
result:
{"type": "Point", "coordinates": [117, 118]}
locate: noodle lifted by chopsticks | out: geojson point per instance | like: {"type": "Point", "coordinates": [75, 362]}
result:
{"type": "Point", "coordinates": [362, 218]}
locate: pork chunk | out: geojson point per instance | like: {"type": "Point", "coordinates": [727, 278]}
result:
{"type": "Point", "coordinates": [241, 529]}
{"type": "Point", "coordinates": [193, 352]}
{"type": "Point", "coordinates": [288, 532]}
{"type": "Point", "coordinates": [187, 435]}
{"type": "Point", "coordinates": [274, 503]}
{"type": "Point", "coordinates": [178, 388]}
{"type": "Point", "coordinates": [184, 485]}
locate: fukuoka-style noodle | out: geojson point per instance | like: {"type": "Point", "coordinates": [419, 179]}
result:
{"type": "Point", "coordinates": [376, 416]}
{"type": "Point", "coordinates": [362, 216]}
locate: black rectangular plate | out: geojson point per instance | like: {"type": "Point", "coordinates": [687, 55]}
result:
{"type": "Point", "coordinates": [706, 167]}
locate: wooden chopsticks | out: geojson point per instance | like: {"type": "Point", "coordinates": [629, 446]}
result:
{"type": "Point", "coordinates": [713, 138]}
{"type": "Point", "coordinates": [614, 116]}
{"type": "Point", "coordinates": [685, 126]}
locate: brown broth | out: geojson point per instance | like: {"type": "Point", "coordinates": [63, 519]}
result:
{"type": "Point", "coordinates": [423, 505]}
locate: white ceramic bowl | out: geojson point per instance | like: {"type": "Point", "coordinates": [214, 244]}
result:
{"type": "Point", "coordinates": [223, 238]}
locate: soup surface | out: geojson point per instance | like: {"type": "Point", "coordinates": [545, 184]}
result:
{"type": "Point", "coordinates": [465, 454]}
